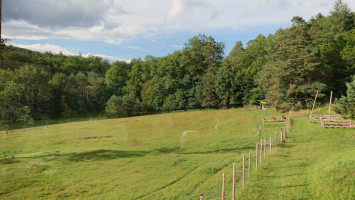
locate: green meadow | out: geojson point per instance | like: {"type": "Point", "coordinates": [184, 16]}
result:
{"type": "Point", "coordinates": [176, 156]}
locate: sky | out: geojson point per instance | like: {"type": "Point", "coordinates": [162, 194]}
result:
{"type": "Point", "coordinates": [127, 29]}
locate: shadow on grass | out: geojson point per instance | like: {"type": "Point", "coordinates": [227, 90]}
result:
{"type": "Point", "coordinates": [95, 155]}
{"type": "Point", "coordinates": [103, 154]}
{"type": "Point", "coordinates": [291, 186]}
{"type": "Point", "coordinates": [222, 150]}
{"type": "Point", "coordinates": [286, 145]}
{"type": "Point", "coordinates": [288, 175]}
{"type": "Point", "coordinates": [290, 166]}
{"type": "Point", "coordinates": [98, 155]}
{"type": "Point", "coordinates": [54, 121]}
{"type": "Point", "coordinates": [166, 150]}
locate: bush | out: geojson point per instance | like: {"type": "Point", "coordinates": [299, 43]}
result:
{"type": "Point", "coordinates": [24, 116]}
{"type": "Point", "coordinates": [345, 106]}
{"type": "Point", "coordinates": [125, 106]}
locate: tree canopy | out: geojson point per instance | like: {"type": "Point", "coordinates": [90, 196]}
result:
{"type": "Point", "coordinates": [285, 68]}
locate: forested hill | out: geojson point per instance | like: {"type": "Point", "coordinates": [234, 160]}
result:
{"type": "Point", "coordinates": [285, 68]}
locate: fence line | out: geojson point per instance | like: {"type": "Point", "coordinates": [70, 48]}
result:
{"type": "Point", "coordinates": [258, 156]}
{"type": "Point", "coordinates": [331, 121]}
{"type": "Point", "coordinates": [249, 164]}
{"type": "Point", "coordinates": [223, 185]}
{"type": "Point", "coordinates": [233, 187]}
{"type": "Point", "coordinates": [274, 120]}
{"type": "Point", "coordinates": [258, 159]}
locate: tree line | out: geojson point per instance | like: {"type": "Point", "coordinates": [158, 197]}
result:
{"type": "Point", "coordinates": [285, 68]}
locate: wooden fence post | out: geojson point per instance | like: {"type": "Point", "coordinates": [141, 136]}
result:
{"type": "Point", "coordinates": [201, 197]}
{"type": "Point", "coordinates": [314, 103]}
{"type": "Point", "coordinates": [321, 121]}
{"type": "Point", "coordinates": [261, 149]}
{"type": "Point", "coordinates": [264, 147]}
{"type": "Point", "coordinates": [285, 136]}
{"type": "Point", "coordinates": [256, 157]}
{"type": "Point", "coordinates": [249, 164]}
{"type": "Point", "coordinates": [270, 143]}
{"type": "Point", "coordinates": [223, 185]}
{"type": "Point", "coordinates": [330, 102]}
{"type": "Point", "coordinates": [243, 180]}
{"type": "Point", "coordinates": [233, 189]}
{"type": "Point", "coordinates": [281, 139]}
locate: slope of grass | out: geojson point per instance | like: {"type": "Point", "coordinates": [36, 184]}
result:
{"type": "Point", "coordinates": [175, 156]}
{"type": "Point", "coordinates": [314, 163]}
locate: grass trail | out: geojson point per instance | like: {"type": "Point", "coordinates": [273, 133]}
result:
{"type": "Point", "coordinates": [314, 163]}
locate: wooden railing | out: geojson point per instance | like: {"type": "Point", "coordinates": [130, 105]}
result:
{"type": "Point", "coordinates": [335, 123]}
{"type": "Point", "coordinates": [318, 118]}
{"type": "Point", "coordinates": [274, 120]}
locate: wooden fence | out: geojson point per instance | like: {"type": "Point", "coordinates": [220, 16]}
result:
{"type": "Point", "coordinates": [314, 118]}
{"type": "Point", "coordinates": [318, 118]}
{"type": "Point", "coordinates": [274, 120]}
{"type": "Point", "coordinates": [261, 149]}
{"type": "Point", "coordinates": [260, 155]}
{"type": "Point", "coordinates": [332, 123]}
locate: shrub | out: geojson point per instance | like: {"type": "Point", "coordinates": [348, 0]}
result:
{"type": "Point", "coordinates": [345, 106]}
{"type": "Point", "coordinates": [125, 106]}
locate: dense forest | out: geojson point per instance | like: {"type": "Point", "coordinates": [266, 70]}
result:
{"type": "Point", "coordinates": [286, 69]}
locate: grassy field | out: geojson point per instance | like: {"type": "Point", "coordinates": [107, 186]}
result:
{"type": "Point", "coordinates": [175, 156]}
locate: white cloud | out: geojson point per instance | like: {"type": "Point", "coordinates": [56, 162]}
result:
{"type": "Point", "coordinates": [71, 19]}
{"type": "Point", "coordinates": [55, 49]}
{"type": "Point", "coordinates": [45, 48]}
{"type": "Point", "coordinates": [111, 59]}
{"type": "Point", "coordinates": [176, 8]}
{"type": "Point", "coordinates": [50, 13]}
{"type": "Point", "coordinates": [24, 30]}
{"type": "Point", "coordinates": [120, 21]}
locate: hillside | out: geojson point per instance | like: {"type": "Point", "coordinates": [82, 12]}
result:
{"type": "Point", "coordinates": [175, 156]}
{"type": "Point", "coordinates": [285, 68]}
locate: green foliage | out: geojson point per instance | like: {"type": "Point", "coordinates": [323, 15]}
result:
{"type": "Point", "coordinates": [341, 19]}
{"type": "Point", "coordinates": [114, 107]}
{"type": "Point", "coordinates": [24, 116]}
{"type": "Point", "coordinates": [185, 79]}
{"type": "Point", "coordinates": [74, 64]}
{"type": "Point", "coordinates": [285, 68]}
{"type": "Point", "coordinates": [346, 104]}
{"type": "Point", "coordinates": [36, 94]}
{"type": "Point", "coordinates": [306, 57]}
{"type": "Point", "coordinates": [224, 85]}
{"type": "Point", "coordinates": [9, 96]}
{"type": "Point", "coordinates": [294, 73]}
{"type": "Point", "coordinates": [125, 106]}
{"type": "Point", "coordinates": [117, 76]}
{"type": "Point", "coordinates": [348, 52]}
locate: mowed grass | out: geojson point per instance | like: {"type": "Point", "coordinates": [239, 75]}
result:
{"type": "Point", "coordinates": [176, 156]}
{"type": "Point", "coordinates": [313, 163]}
